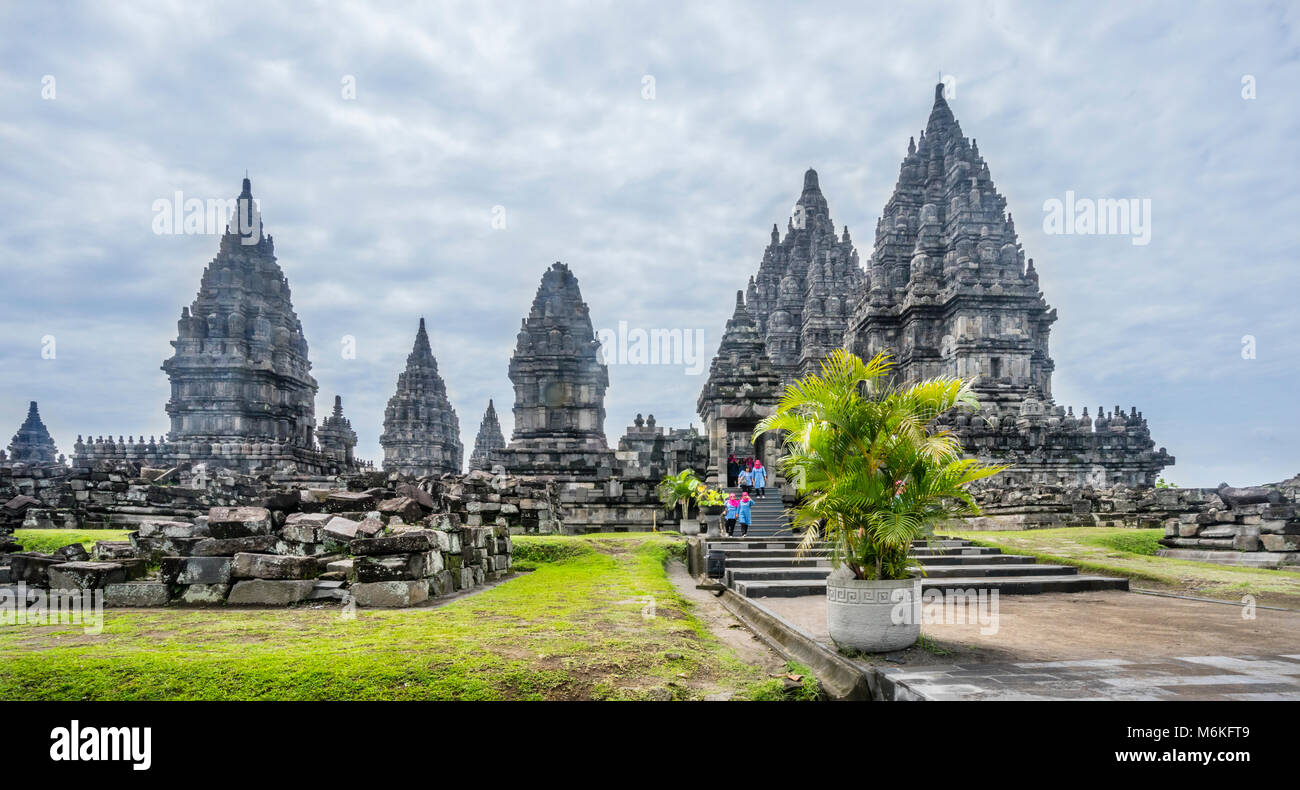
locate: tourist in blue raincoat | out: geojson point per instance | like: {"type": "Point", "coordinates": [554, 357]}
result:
{"type": "Point", "coordinates": [733, 505]}
{"type": "Point", "coordinates": [742, 513]}
{"type": "Point", "coordinates": [759, 476]}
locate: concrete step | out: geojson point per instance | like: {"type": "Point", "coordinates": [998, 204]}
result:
{"type": "Point", "coordinates": [785, 562]}
{"type": "Point", "coordinates": [985, 571]}
{"type": "Point", "coordinates": [1007, 585]}
{"type": "Point", "coordinates": [734, 575]}
{"type": "Point", "coordinates": [762, 573]}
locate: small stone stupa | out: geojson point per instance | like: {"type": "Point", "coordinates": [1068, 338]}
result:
{"type": "Point", "coordinates": [33, 443]}
{"type": "Point", "coordinates": [489, 439]}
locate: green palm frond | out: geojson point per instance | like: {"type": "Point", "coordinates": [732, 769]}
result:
{"type": "Point", "coordinates": [873, 468]}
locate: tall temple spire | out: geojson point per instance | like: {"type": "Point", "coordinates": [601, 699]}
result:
{"type": "Point", "coordinates": [421, 431]}
{"type": "Point", "coordinates": [33, 443]}
{"type": "Point", "coordinates": [489, 440]}
{"type": "Point", "coordinates": [240, 371]}
{"type": "Point", "coordinates": [950, 294]}
{"type": "Point", "coordinates": [800, 328]}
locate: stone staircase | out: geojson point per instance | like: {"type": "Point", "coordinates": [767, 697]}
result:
{"type": "Point", "coordinates": [768, 514]}
{"type": "Point", "coordinates": [769, 568]}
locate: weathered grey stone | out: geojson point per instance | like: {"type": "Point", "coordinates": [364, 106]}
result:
{"type": "Point", "coordinates": [404, 508]}
{"type": "Point", "coordinates": [229, 547]}
{"type": "Point", "coordinates": [85, 575]}
{"type": "Point", "coordinates": [171, 529]}
{"type": "Point", "coordinates": [271, 566]}
{"type": "Point", "coordinates": [407, 542]}
{"type": "Point", "coordinates": [1280, 542]}
{"type": "Point", "coordinates": [113, 550]}
{"type": "Point", "coordinates": [266, 592]}
{"type": "Point", "coordinates": [341, 566]}
{"type": "Point", "coordinates": [340, 529]}
{"type": "Point", "coordinates": [348, 501]}
{"type": "Point", "coordinates": [239, 522]}
{"type": "Point", "coordinates": [136, 594]}
{"type": "Point", "coordinates": [203, 594]}
{"type": "Point", "coordinates": [73, 552]}
{"type": "Point", "coordinates": [389, 567]}
{"type": "Point", "coordinates": [195, 570]}
{"type": "Point", "coordinates": [391, 593]}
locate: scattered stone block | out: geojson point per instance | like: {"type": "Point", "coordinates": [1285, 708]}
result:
{"type": "Point", "coordinates": [273, 566]}
{"type": "Point", "coordinates": [196, 570]}
{"type": "Point", "coordinates": [85, 575]}
{"type": "Point", "coordinates": [1280, 542]}
{"type": "Point", "coordinates": [73, 552]}
{"type": "Point", "coordinates": [391, 593]}
{"type": "Point", "coordinates": [229, 547]}
{"type": "Point", "coordinates": [113, 550]}
{"type": "Point", "coordinates": [349, 501]}
{"type": "Point", "coordinates": [341, 529]}
{"type": "Point", "coordinates": [407, 542]}
{"type": "Point", "coordinates": [171, 529]}
{"type": "Point", "coordinates": [267, 592]}
{"type": "Point", "coordinates": [136, 594]}
{"type": "Point", "coordinates": [402, 507]}
{"type": "Point", "coordinates": [203, 594]}
{"type": "Point", "coordinates": [389, 567]}
{"type": "Point", "coordinates": [239, 522]}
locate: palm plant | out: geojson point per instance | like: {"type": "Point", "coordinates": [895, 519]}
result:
{"type": "Point", "coordinates": [678, 490]}
{"type": "Point", "coordinates": [873, 470]}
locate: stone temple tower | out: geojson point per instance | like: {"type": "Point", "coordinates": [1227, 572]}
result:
{"type": "Point", "coordinates": [421, 431]}
{"type": "Point", "coordinates": [950, 293]}
{"type": "Point", "coordinates": [242, 392]}
{"type": "Point", "coordinates": [488, 440]}
{"type": "Point", "coordinates": [806, 286]}
{"type": "Point", "coordinates": [743, 387]}
{"type": "Point", "coordinates": [560, 382]}
{"type": "Point", "coordinates": [950, 290]}
{"type": "Point", "coordinates": [33, 443]}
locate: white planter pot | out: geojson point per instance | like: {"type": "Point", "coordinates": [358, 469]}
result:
{"type": "Point", "coordinates": [872, 616]}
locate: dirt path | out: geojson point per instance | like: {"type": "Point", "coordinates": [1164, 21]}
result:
{"type": "Point", "coordinates": [723, 624]}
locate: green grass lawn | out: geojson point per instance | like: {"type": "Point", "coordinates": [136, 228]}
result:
{"type": "Point", "coordinates": [47, 540]}
{"type": "Point", "coordinates": [1131, 552]}
{"type": "Point", "coordinates": [576, 627]}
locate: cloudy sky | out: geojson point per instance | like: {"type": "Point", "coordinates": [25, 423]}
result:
{"type": "Point", "coordinates": [651, 147]}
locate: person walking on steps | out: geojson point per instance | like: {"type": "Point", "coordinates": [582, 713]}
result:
{"type": "Point", "coordinates": [759, 479]}
{"type": "Point", "coordinates": [745, 479]}
{"type": "Point", "coordinates": [733, 470]}
{"type": "Point", "coordinates": [742, 513]}
{"type": "Point", "coordinates": [733, 505]}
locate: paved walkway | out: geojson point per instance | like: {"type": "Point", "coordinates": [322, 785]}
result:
{"type": "Point", "coordinates": [1099, 645]}
{"type": "Point", "coordinates": [1187, 678]}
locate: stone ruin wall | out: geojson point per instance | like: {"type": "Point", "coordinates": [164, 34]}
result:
{"type": "Point", "coordinates": [1257, 525]}
{"type": "Point", "coordinates": [372, 539]}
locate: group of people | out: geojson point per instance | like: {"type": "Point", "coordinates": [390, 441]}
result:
{"type": "Point", "coordinates": [749, 475]}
